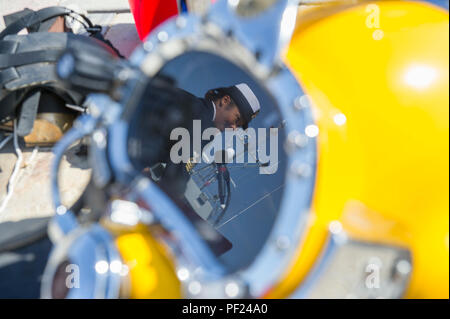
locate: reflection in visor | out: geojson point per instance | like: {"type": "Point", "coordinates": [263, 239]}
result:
{"type": "Point", "coordinates": [235, 220]}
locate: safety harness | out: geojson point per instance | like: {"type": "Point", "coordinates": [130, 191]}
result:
{"type": "Point", "coordinates": [28, 81]}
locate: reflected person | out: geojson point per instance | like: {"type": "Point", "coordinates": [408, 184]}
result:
{"type": "Point", "coordinates": [225, 107]}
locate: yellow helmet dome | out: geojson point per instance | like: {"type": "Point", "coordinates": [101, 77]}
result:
{"type": "Point", "coordinates": [377, 75]}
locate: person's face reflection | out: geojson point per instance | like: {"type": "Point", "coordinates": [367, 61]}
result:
{"type": "Point", "coordinates": [227, 114]}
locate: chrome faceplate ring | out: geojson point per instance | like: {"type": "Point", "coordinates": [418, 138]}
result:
{"type": "Point", "coordinates": [170, 41]}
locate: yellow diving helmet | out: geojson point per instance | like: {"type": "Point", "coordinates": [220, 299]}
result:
{"type": "Point", "coordinates": [377, 76]}
{"type": "Point", "coordinates": [357, 205]}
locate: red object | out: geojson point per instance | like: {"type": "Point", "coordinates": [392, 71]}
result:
{"type": "Point", "coordinates": [148, 14]}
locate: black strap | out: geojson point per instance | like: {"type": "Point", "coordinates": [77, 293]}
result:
{"type": "Point", "coordinates": [13, 17]}
{"type": "Point", "coordinates": [7, 75]}
{"type": "Point", "coordinates": [8, 46]}
{"type": "Point", "coordinates": [34, 17]}
{"type": "Point", "coordinates": [23, 72]}
{"type": "Point", "coordinates": [38, 27]}
{"type": "Point", "coordinates": [28, 113]}
{"type": "Point", "coordinates": [10, 60]}
{"type": "Point", "coordinates": [40, 16]}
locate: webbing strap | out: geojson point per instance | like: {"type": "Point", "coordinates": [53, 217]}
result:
{"type": "Point", "coordinates": [32, 18]}
{"type": "Point", "coordinates": [17, 59]}
{"type": "Point", "coordinates": [7, 75]}
{"type": "Point", "coordinates": [37, 17]}
{"type": "Point", "coordinates": [28, 114]}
